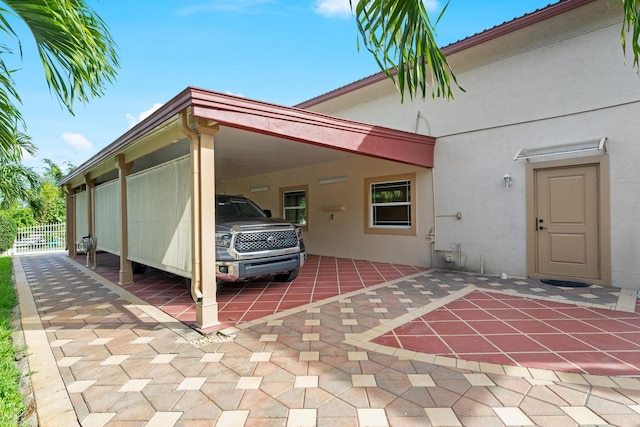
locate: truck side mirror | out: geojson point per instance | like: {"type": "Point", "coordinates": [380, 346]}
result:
{"type": "Point", "coordinates": [267, 212]}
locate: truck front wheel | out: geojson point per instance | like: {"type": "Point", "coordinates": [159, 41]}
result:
{"type": "Point", "coordinates": [138, 268]}
{"type": "Point", "coordinates": [286, 277]}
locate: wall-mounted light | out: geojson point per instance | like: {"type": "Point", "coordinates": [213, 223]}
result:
{"type": "Point", "coordinates": [332, 180]}
{"type": "Point", "coordinates": [259, 189]}
{"type": "Point", "coordinates": [507, 180]}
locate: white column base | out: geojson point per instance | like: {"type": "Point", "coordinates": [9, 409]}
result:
{"type": "Point", "coordinates": [206, 315]}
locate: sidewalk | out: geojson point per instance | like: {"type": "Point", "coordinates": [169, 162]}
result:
{"type": "Point", "coordinates": [101, 356]}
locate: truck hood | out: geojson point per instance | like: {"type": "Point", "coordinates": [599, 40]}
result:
{"type": "Point", "coordinates": [222, 226]}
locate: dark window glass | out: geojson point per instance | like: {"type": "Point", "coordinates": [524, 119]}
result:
{"type": "Point", "coordinates": [391, 204]}
{"type": "Point", "coordinates": [295, 207]}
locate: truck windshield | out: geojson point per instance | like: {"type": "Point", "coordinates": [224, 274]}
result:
{"type": "Point", "coordinates": [231, 208]}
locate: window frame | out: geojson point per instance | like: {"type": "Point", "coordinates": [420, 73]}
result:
{"type": "Point", "coordinates": [294, 189]}
{"type": "Point", "coordinates": [369, 228]}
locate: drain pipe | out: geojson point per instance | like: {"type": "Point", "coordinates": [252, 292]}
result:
{"type": "Point", "coordinates": [194, 142]}
{"type": "Point", "coordinates": [431, 235]}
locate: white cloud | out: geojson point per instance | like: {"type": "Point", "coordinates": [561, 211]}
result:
{"type": "Point", "coordinates": [77, 141]}
{"type": "Point", "coordinates": [134, 120]}
{"type": "Point", "coordinates": [431, 5]}
{"type": "Point", "coordinates": [342, 9]}
{"type": "Point", "coordinates": [333, 8]}
{"type": "Point", "coordinates": [228, 92]}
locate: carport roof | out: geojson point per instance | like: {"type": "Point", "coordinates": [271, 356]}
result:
{"type": "Point", "coordinates": [287, 123]}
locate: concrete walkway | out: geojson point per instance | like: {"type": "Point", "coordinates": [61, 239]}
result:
{"type": "Point", "coordinates": [100, 356]}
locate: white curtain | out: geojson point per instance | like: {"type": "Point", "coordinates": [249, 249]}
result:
{"type": "Point", "coordinates": [159, 217]}
{"type": "Point", "coordinates": [107, 217]}
{"type": "Point", "coordinates": [82, 225]}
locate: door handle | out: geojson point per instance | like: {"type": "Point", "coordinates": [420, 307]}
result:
{"type": "Point", "coordinates": [542, 227]}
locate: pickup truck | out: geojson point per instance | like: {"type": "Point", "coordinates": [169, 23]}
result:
{"type": "Point", "coordinates": [250, 244]}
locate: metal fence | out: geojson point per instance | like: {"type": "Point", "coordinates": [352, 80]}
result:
{"type": "Point", "coordinates": [40, 238]}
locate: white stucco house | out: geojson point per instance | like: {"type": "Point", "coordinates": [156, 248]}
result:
{"type": "Point", "coordinates": [532, 172]}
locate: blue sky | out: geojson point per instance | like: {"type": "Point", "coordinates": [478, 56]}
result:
{"type": "Point", "coordinates": [279, 51]}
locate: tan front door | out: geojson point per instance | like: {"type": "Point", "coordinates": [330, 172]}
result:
{"type": "Point", "coordinates": [567, 222]}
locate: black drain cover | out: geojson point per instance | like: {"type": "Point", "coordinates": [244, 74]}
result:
{"type": "Point", "coordinates": [565, 283]}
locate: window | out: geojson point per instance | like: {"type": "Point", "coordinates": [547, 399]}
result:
{"type": "Point", "coordinates": [390, 205]}
{"type": "Point", "coordinates": [294, 202]}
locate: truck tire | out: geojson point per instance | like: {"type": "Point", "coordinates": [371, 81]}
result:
{"type": "Point", "coordinates": [138, 268]}
{"type": "Point", "coordinates": [287, 277]}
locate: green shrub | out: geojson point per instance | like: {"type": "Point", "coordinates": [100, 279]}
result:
{"type": "Point", "coordinates": [11, 400]}
{"type": "Point", "coordinates": [8, 231]}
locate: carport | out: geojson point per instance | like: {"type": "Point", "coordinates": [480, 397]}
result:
{"type": "Point", "coordinates": [148, 196]}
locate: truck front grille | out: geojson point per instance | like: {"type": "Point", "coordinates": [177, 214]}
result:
{"type": "Point", "coordinates": [265, 240]}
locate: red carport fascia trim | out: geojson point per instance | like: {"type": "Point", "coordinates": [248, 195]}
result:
{"type": "Point", "coordinates": [313, 128]}
{"type": "Point", "coordinates": [170, 109]}
{"type": "Point", "coordinates": [285, 122]}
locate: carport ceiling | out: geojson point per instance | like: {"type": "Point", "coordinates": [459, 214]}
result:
{"type": "Point", "coordinates": [241, 153]}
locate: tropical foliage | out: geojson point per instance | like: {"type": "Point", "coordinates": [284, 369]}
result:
{"type": "Point", "coordinates": [48, 201]}
{"type": "Point", "coordinates": [77, 53]}
{"type": "Point", "coordinates": [401, 37]}
{"type": "Point", "coordinates": [8, 231]}
{"type": "Point", "coordinates": [43, 201]}
{"type": "Point", "coordinates": [11, 402]}
{"type": "Point", "coordinates": [79, 59]}
{"type": "Point", "coordinates": [16, 182]}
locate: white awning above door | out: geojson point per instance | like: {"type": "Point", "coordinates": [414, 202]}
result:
{"type": "Point", "coordinates": [562, 149]}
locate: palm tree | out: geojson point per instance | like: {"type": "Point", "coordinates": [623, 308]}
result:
{"type": "Point", "coordinates": [47, 201]}
{"type": "Point", "coordinates": [401, 38]}
{"type": "Point", "coordinates": [17, 183]}
{"type": "Point", "coordinates": [77, 53]}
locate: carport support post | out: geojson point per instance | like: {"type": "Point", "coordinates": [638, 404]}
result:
{"type": "Point", "coordinates": [203, 250]}
{"type": "Point", "coordinates": [70, 221]}
{"type": "Point", "coordinates": [125, 275]}
{"type": "Point", "coordinates": [90, 183]}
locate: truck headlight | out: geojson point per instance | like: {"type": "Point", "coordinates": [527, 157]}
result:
{"type": "Point", "coordinates": [299, 233]}
{"type": "Point", "coordinates": [223, 240]}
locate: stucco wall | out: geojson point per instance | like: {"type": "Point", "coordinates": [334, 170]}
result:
{"type": "Point", "coordinates": [344, 235]}
{"type": "Point", "coordinates": [558, 82]}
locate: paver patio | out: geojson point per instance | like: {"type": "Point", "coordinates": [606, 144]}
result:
{"type": "Point", "coordinates": [330, 362]}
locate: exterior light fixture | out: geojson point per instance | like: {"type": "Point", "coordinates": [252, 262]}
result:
{"type": "Point", "coordinates": [332, 180]}
{"type": "Point", "coordinates": [507, 180]}
{"type": "Point", "coordinates": [259, 189]}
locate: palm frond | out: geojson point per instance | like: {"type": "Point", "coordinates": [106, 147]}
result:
{"type": "Point", "coordinates": [631, 23]}
{"type": "Point", "coordinates": [53, 171]}
{"type": "Point", "coordinates": [17, 182]}
{"type": "Point", "coordinates": [12, 140]}
{"type": "Point", "coordinates": [401, 38]}
{"type": "Point", "coordinates": [76, 49]}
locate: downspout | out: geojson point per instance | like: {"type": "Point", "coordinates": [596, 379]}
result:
{"type": "Point", "coordinates": [196, 291]}
{"type": "Point", "coordinates": [431, 235]}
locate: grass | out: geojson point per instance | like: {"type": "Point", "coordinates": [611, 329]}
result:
{"type": "Point", "coordinates": [11, 401]}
